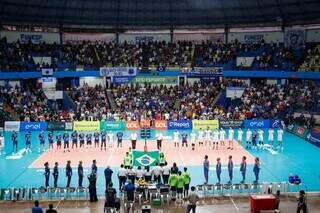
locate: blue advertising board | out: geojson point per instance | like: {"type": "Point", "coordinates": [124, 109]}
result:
{"type": "Point", "coordinates": [180, 124]}
{"type": "Point", "coordinates": [33, 126]}
{"type": "Point", "coordinates": [256, 124]}
{"type": "Point", "coordinates": [314, 137]}
{"type": "Point", "coordinates": [121, 79]}
{"type": "Point", "coordinates": [275, 123]}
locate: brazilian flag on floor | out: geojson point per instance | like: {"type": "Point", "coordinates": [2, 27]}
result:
{"type": "Point", "coordinates": [141, 158]}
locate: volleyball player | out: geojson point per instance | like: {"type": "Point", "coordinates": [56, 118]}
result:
{"type": "Point", "coordinates": [176, 138]}
{"type": "Point", "coordinates": [215, 138]}
{"type": "Point", "coordinates": [119, 136]}
{"type": "Point", "coordinates": [200, 137]}
{"type": "Point", "coordinates": [207, 140]}
{"type": "Point", "coordinates": [89, 139]}
{"type": "Point", "coordinates": [280, 137]}
{"type": "Point", "coordinates": [14, 138]}
{"type": "Point", "coordinates": [240, 134]}
{"type": "Point", "coordinates": [260, 138]}
{"type": "Point", "coordinates": [58, 139]}
{"type": "Point", "coordinates": [222, 136]}
{"type": "Point", "coordinates": [248, 138]}
{"type": "Point", "coordinates": [184, 138]}
{"type": "Point", "coordinates": [50, 140]}
{"type": "Point", "coordinates": [42, 141]}
{"type": "Point", "coordinates": [28, 142]}
{"type": "Point", "coordinates": [193, 136]}
{"type": "Point", "coordinates": [74, 138]}
{"type": "Point", "coordinates": [231, 137]}
{"type": "Point", "coordinates": [110, 138]}
{"type": "Point", "coordinates": [66, 142]}
{"type": "Point", "coordinates": [81, 139]}
{"type": "Point", "coordinates": [103, 139]}
{"type": "Point", "coordinates": [96, 136]}
{"type": "Point", "coordinates": [270, 136]}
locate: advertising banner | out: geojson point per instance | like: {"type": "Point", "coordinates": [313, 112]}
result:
{"type": "Point", "coordinates": [118, 71]}
{"type": "Point", "coordinates": [161, 125]}
{"type": "Point", "coordinates": [112, 125]}
{"type": "Point", "coordinates": [141, 158]}
{"type": "Point", "coordinates": [56, 126]}
{"type": "Point", "coordinates": [121, 79]}
{"type": "Point", "coordinates": [76, 37]}
{"type": "Point", "coordinates": [145, 123]}
{"type": "Point", "coordinates": [204, 124]}
{"type": "Point", "coordinates": [230, 123]}
{"type": "Point", "coordinates": [256, 124]}
{"type": "Point", "coordinates": [275, 123]}
{"type": "Point", "coordinates": [12, 126]}
{"type": "Point", "coordinates": [298, 130]}
{"type": "Point", "coordinates": [169, 80]}
{"type": "Point", "coordinates": [207, 70]}
{"type": "Point", "coordinates": [86, 125]}
{"type": "Point", "coordinates": [132, 125]}
{"type": "Point", "coordinates": [253, 38]}
{"type": "Point", "coordinates": [179, 125]}
{"type": "Point", "coordinates": [314, 136]}
{"type": "Point", "coordinates": [33, 126]}
{"type": "Point", "coordinates": [245, 61]}
{"type": "Point", "coordinates": [69, 125]}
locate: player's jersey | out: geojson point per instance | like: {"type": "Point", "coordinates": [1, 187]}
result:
{"type": "Point", "coordinates": [208, 133]}
{"type": "Point", "coordinates": [248, 135]}
{"type": "Point", "coordinates": [222, 135]}
{"type": "Point", "coordinates": [216, 135]}
{"type": "Point", "coordinates": [200, 136]}
{"type": "Point", "coordinates": [176, 136]}
{"type": "Point", "coordinates": [193, 136]}
{"type": "Point", "coordinates": [240, 134]}
{"type": "Point", "coordinates": [231, 134]}
{"type": "Point", "coordinates": [271, 133]}
{"type": "Point", "coordinates": [260, 135]}
{"type": "Point", "coordinates": [280, 134]}
{"type": "Point", "coordinates": [110, 135]}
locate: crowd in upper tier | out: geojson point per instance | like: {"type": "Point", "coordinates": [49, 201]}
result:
{"type": "Point", "coordinates": [92, 55]}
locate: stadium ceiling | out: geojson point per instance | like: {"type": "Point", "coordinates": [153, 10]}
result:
{"type": "Point", "coordinates": [159, 13]}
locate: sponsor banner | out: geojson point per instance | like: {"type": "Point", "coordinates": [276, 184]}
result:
{"type": "Point", "coordinates": [118, 71]}
{"type": "Point", "coordinates": [253, 38]}
{"type": "Point", "coordinates": [256, 124]}
{"type": "Point", "coordinates": [12, 126]}
{"type": "Point", "coordinates": [298, 130]}
{"type": "Point", "coordinates": [144, 37]}
{"type": "Point", "coordinates": [112, 125]}
{"type": "Point", "coordinates": [76, 37]}
{"type": "Point", "coordinates": [121, 79]}
{"type": "Point", "coordinates": [207, 70]}
{"type": "Point", "coordinates": [204, 124]}
{"type": "Point", "coordinates": [230, 123]}
{"type": "Point", "coordinates": [145, 123]}
{"type": "Point", "coordinates": [161, 125]}
{"type": "Point", "coordinates": [314, 136]}
{"type": "Point", "coordinates": [69, 126]}
{"type": "Point", "coordinates": [180, 124]}
{"type": "Point", "coordinates": [141, 158]}
{"type": "Point", "coordinates": [56, 126]}
{"type": "Point", "coordinates": [275, 123]}
{"type": "Point", "coordinates": [86, 125]}
{"type": "Point", "coordinates": [245, 61]}
{"type": "Point", "coordinates": [33, 37]}
{"type": "Point", "coordinates": [33, 126]}
{"type": "Point", "coordinates": [198, 36]}
{"type": "Point", "coordinates": [172, 80]}
{"type": "Point", "coordinates": [132, 125]}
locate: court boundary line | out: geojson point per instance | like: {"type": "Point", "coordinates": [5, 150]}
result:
{"type": "Point", "coordinates": [234, 204]}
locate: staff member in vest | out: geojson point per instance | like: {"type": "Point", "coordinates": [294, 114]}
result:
{"type": "Point", "coordinates": [230, 169]}
{"type": "Point", "coordinates": [66, 142]}
{"type": "Point", "coordinates": [68, 173]}
{"type": "Point", "coordinates": [14, 138]}
{"type": "Point", "coordinates": [50, 139]}
{"type": "Point", "coordinates": [165, 173]}
{"type": "Point", "coordinates": [119, 136]}
{"type": "Point", "coordinates": [162, 159]}
{"type": "Point", "coordinates": [46, 173]}
{"type": "Point", "coordinates": [243, 168]}
{"type": "Point", "coordinates": [55, 174]}
{"type": "Point", "coordinates": [80, 174]}
{"type": "Point", "coordinates": [159, 137]}
{"type": "Point", "coordinates": [122, 175]}
{"type": "Point", "coordinates": [256, 169]}
{"type": "Point", "coordinates": [133, 137]}
{"type": "Point", "coordinates": [206, 169]}
{"type": "Point", "coordinates": [96, 136]}
{"type": "Point", "coordinates": [58, 139]}
{"type": "Point", "coordinates": [218, 170]}
{"type": "Point", "coordinates": [74, 138]}
{"type": "Point", "coordinates": [81, 139]}
{"type": "Point", "coordinates": [187, 180]}
{"type": "Point", "coordinates": [127, 161]}
{"type": "Point", "coordinates": [28, 142]}
{"type": "Point", "coordinates": [103, 140]}
{"type": "Point", "coordinates": [42, 141]}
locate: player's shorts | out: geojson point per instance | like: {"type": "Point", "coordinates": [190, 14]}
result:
{"type": "Point", "coordinates": [186, 186]}
{"type": "Point", "coordinates": [179, 190]}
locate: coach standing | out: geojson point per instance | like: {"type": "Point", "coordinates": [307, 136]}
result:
{"type": "Point", "coordinates": [55, 174]}
{"type": "Point", "coordinates": [159, 140]}
{"type": "Point", "coordinates": [230, 169]}
{"type": "Point", "coordinates": [46, 173]}
{"type": "Point", "coordinates": [68, 173]}
{"type": "Point", "coordinates": [256, 169]}
{"type": "Point", "coordinates": [243, 168]}
{"type": "Point", "coordinates": [218, 170]}
{"type": "Point", "coordinates": [80, 174]}
{"type": "Point", "coordinates": [206, 168]}
{"type": "Point", "coordinates": [108, 176]}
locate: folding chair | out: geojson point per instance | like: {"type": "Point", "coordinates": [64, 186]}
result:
{"type": "Point", "coordinates": [165, 195]}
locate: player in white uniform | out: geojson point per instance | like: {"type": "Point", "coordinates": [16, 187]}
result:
{"type": "Point", "coordinates": [216, 137]}
{"type": "Point", "coordinates": [248, 138]}
{"type": "Point", "coordinates": [193, 136]}
{"type": "Point", "coordinates": [270, 136]}
{"type": "Point", "coordinates": [240, 134]}
{"type": "Point", "coordinates": [110, 138]}
{"type": "Point", "coordinates": [200, 137]}
{"type": "Point", "coordinates": [231, 137]}
{"type": "Point", "coordinates": [222, 136]}
{"type": "Point", "coordinates": [176, 138]}
{"type": "Point", "coordinates": [280, 136]}
{"type": "Point", "coordinates": [260, 138]}
{"type": "Point", "coordinates": [207, 139]}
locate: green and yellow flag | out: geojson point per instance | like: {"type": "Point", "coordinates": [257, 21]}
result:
{"type": "Point", "coordinates": [141, 158]}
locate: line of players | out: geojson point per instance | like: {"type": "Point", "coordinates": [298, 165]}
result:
{"type": "Point", "coordinates": [99, 139]}
{"type": "Point", "coordinates": [218, 137]}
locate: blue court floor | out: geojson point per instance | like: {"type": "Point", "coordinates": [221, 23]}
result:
{"type": "Point", "coordinates": [298, 158]}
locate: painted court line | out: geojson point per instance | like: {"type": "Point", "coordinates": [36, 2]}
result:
{"type": "Point", "coordinates": [234, 204]}
{"type": "Point", "coordinates": [110, 156]}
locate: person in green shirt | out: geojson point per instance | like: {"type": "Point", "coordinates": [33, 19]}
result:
{"type": "Point", "coordinates": [187, 180]}
{"type": "Point", "coordinates": [130, 153]}
{"type": "Point", "coordinates": [162, 159]}
{"type": "Point", "coordinates": [180, 185]}
{"type": "Point", "coordinates": [173, 182]}
{"type": "Point", "coordinates": [127, 161]}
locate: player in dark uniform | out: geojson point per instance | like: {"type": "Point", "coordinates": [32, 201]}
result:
{"type": "Point", "coordinates": [28, 142]}
{"type": "Point", "coordinates": [96, 136]}
{"type": "Point", "coordinates": [66, 141]}
{"type": "Point", "coordinates": [89, 139]}
{"type": "Point", "coordinates": [58, 138]}
{"type": "Point", "coordinates": [81, 139]}
{"type": "Point", "coordinates": [119, 136]}
{"type": "Point", "coordinates": [42, 141]}
{"type": "Point", "coordinates": [55, 174]}
{"type": "Point", "coordinates": [80, 174]}
{"type": "Point", "coordinates": [74, 137]}
{"type": "Point", "coordinates": [103, 140]}
{"type": "Point", "coordinates": [184, 139]}
{"type": "Point", "coordinates": [46, 173]}
{"type": "Point", "coordinates": [68, 173]}
{"type": "Point", "coordinates": [50, 139]}
{"type": "Point", "coordinates": [14, 138]}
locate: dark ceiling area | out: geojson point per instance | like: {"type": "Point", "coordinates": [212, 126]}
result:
{"type": "Point", "coordinates": [141, 13]}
